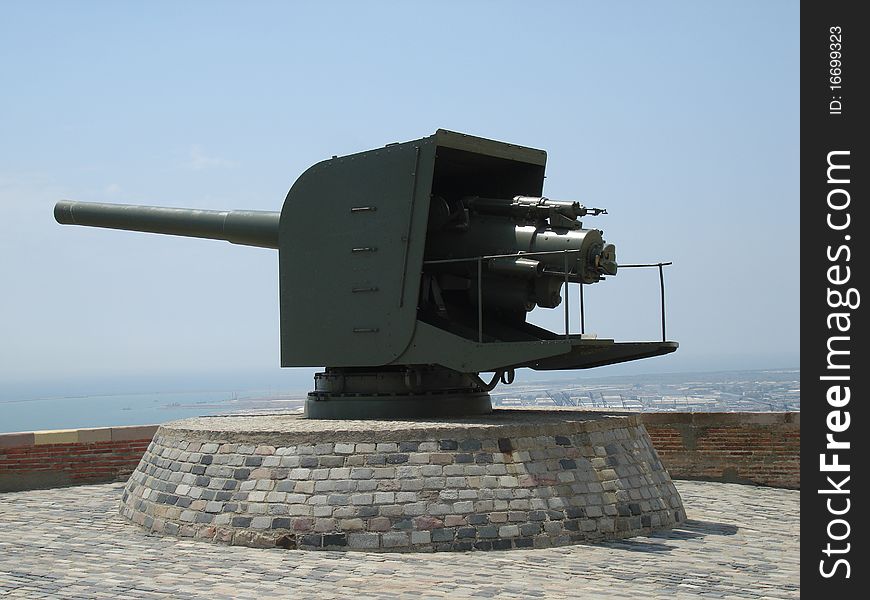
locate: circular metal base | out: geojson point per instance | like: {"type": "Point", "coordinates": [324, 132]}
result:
{"type": "Point", "coordinates": [391, 393]}
{"type": "Point", "coordinates": [396, 407]}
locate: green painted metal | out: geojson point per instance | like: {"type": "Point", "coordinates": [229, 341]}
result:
{"type": "Point", "coordinates": [404, 406]}
{"type": "Point", "coordinates": [244, 227]}
{"type": "Point", "coordinates": [418, 257]}
{"type": "Point", "coordinates": [357, 226]}
{"type": "Point", "coordinates": [432, 345]}
{"type": "Point", "coordinates": [422, 391]}
{"type": "Point", "coordinates": [588, 354]}
{"type": "Point", "coordinates": [375, 207]}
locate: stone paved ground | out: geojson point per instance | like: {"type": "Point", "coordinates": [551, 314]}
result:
{"type": "Point", "coordinates": [738, 542]}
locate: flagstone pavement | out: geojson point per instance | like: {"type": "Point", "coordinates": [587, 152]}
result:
{"type": "Point", "coordinates": [738, 542]}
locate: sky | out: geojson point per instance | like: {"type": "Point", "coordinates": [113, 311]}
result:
{"type": "Point", "coordinates": [680, 118]}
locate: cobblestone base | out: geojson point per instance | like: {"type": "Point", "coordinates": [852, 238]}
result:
{"type": "Point", "coordinates": [514, 479]}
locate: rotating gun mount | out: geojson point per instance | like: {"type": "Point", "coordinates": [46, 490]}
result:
{"type": "Point", "coordinates": [409, 270]}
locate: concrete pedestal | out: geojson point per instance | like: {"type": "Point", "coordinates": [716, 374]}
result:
{"type": "Point", "coordinates": [511, 479]}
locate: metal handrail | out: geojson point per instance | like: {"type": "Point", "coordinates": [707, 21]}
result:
{"type": "Point", "coordinates": [660, 266]}
{"type": "Point", "coordinates": [480, 259]}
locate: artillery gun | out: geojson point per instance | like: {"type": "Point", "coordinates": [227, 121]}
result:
{"type": "Point", "coordinates": [409, 270]}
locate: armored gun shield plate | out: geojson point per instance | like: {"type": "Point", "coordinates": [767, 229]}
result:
{"type": "Point", "coordinates": [352, 235]}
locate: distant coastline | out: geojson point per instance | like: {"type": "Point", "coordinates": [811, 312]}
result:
{"type": "Point", "coordinates": [764, 390]}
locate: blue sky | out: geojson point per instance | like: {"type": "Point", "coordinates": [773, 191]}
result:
{"type": "Point", "coordinates": [681, 118]}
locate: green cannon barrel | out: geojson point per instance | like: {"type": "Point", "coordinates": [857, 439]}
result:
{"type": "Point", "coordinates": [245, 227]}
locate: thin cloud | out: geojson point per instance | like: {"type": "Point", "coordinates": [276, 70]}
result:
{"type": "Point", "coordinates": [199, 161]}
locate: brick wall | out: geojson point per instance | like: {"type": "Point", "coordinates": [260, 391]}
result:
{"type": "Point", "coordinates": [45, 459]}
{"type": "Point", "coordinates": [757, 448]}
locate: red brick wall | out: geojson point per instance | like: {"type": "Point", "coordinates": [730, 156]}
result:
{"type": "Point", "coordinates": [46, 459]}
{"type": "Point", "coordinates": [757, 448]}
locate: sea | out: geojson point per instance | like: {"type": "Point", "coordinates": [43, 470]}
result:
{"type": "Point", "coordinates": [75, 412]}
{"type": "Point", "coordinates": [75, 403]}
{"type": "Point", "coordinates": [110, 403]}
